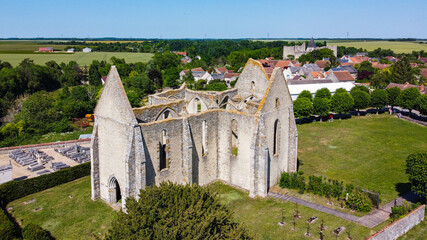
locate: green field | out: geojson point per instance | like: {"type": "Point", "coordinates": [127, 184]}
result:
{"type": "Point", "coordinates": [75, 217]}
{"type": "Point", "coordinates": [397, 47]}
{"type": "Point", "coordinates": [83, 59]}
{"type": "Point", "coordinates": [369, 151]}
{"type": "Point", "coordinates": [19, 46]}
{"type": "Point", "coordinates": [80, 218]}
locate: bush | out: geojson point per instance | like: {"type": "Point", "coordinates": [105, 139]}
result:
{"type": "Point", "coordinates": [17, 189]}
{"type": "Point", "coordinates": [35, 232]}
{"type": "Point", "coordinates": [175, 211]}
{"type": "Point", "coordinates": [292, 181]}
{"type": "Point", "coordinates": [401, 210]}
{"type": "Point", "coordinates": [416, 169]}
{"type": "Point", "coordinates": [359, 201]}
{"type": "Point", "coordinates": [7, 230]}
{"type": "Point", "coordinates": [319, 186]}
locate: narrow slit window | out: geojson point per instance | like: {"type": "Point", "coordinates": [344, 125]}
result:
{"type": "Point", "coordinates": [234, 138]}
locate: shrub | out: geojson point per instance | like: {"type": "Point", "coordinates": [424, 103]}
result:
{"type": "Point", "coordinates": [292, 181]}
{"type": "Point", "coordinates": [175, 211]}
{"type": "Point", "coordinates": [360, 88]}
{"type": "Point", "coordinates": [35, 232]}
{"type": "Point", "coordinates": [7, 230]}
{"type": "Point", "coordinates": [401, 210]}
{"type": "Point", "coordinates": [416, 169]}
{"type": "Point", "coordinates": [17, 189]}
{"type": "Point", "coordinates": [359, 201]}
{"type": "Point", "coordinates": [340, 90]}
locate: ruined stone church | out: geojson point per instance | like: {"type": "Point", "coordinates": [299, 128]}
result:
{"type": "Point", "coordinates": [245, 136]}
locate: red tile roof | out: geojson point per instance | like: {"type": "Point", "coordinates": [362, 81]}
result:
{"type": "Point", "coordinates": [343, 76]}
{"type": "Point", "coordinates": [381, 66]}
{"type": "Point", "coordinates": [422, 89]}
{"type": "Point", "coordinates": [221, 70]}
{"type": "Point", "coordinates": [230, 75]}
{"type": "Point", "coordinates": [424, 72]}
{"type": "Point", "coordinates": [197, 70]}
{"type": "Point", "coordinates": [321, 63]}
{"type": "Point", "coordinates": [283, 63]}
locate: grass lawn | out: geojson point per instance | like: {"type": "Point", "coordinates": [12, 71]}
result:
{"type": "Point", "coordinates": [261, 217]}
{"type": "Point", "coordinates": [67, 218]}
{"type": "Point", "coordinates": [369, 151]}
{"type": "Point", "coordinates": [83, 59]}
{"type": "Point", "coordinates": [397, 47]}
{"type": "Point", "coordinates": [78, 217]}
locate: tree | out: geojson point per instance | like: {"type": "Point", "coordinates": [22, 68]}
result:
{"type": "Point", "coordinates": [303, 107]}
{"type": "Point", "coordinates": [321, 106]}
{"type": "Point", "coordinates": [156, 76]}
{"type": "Point", "coordinates": [175, 211]}
{"type": "Point", "coordinates": [94, 75]}
{"type": "Point", "coordinates": [342, 102]}
{"type": "Point", "coordinates": [381, 79]}
{"type": "Point", "coordinates": [407, 99]}
{"type": "Point", "coordinates": [164, 61]}
{"type": "Point", "coordinates": [422, 104]}
{"type": "Point", "coordinates": [361, 100]}
{"type": "Point", "coordinates": [306, 94]}
{"type": "Point", "coordinates": [392, 94]}
{"type": "Point", "coordinates": [359, 88]}
{"type": "Point", "coordinates": [171, 77]}
{"type": "Point", "coordinates": [416, 169]}
{"type": "Point", "coordinates": [379, 98]}
{"type": "Point", "coordinates": [341, 90]}
{"type": "Point", "coordinates": [216, 85]}
{"type": "Point", "coordinates": [323, 93]}
{"type": "Point", "coordinates": [365, 70]}
{"type": "Point", "coordinates": [402, 72]}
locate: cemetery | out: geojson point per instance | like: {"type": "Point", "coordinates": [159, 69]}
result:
{"type": "Point", "coordinates": [33, 161]}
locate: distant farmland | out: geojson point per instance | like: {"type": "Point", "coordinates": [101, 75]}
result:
{"type": "Point", "coordinates": [397, 47]}
{"type": "Point", "coordinates": [83, 59]}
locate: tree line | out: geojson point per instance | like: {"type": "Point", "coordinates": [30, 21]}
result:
{"type": "Point", "coordinates": [359, 98]}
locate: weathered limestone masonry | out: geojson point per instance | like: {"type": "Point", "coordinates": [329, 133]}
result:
{"type": "Point", "coordinates": [244, 136]}
{"type": "Point", "coordinates": [401, 226]}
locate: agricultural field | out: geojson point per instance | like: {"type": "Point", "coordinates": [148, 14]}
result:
{"type": "Point", "coordinates": [19, 46]}
{"type": "Point", "coordinates": [369, 152]}
{"type": "Point", "coordinates": [68, 213]}
{"type": "Point", "coordinates": [397, 47]}
{"type": "Point", "coordinates": [83, 59]}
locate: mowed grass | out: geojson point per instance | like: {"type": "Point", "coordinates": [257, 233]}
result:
{"type": "Point", "coordinates": [397, 47]}
{"type": "Point", "coordinates": [66, 218]}
{"type": "Point", "coordinates": [83, 59]}
{"type": "Point", "coordinates": [261, 216]}
{"type": "Point", "coordinates": [369, 152]}
{"type": "Point", "coordinates": [79, 217]}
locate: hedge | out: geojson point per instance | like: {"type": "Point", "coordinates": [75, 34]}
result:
{"type": "Point", "coordinates": [13, 190]}
{"type": "Point", "coordinates": [7, 229]}
{"type": "Point", "coordinates": [33, 231]}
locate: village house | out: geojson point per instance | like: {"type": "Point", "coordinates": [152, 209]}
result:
{"type": "Point", "coordinates": [46, 49]}
{"type": "Point", "coordinates": [86, 50]}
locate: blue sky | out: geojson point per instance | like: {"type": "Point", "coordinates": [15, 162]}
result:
{"type": "Point", "coordinates": [214, 19]}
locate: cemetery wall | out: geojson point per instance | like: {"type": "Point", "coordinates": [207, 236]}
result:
{"type": "Point", "coordinates": [44, 145]}
{"type": "Point", "coordinates": [401, 226]}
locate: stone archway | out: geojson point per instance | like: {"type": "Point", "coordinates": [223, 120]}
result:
{"type": "Point", "coordinates": [114, 193]}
